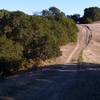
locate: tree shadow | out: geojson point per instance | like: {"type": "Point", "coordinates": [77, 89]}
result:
{"type": "Point", "coordinates": [54, 82]}
{"type": "Point", "coordinates": [76, 66]}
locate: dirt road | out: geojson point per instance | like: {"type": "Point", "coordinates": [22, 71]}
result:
{"type": "Point", "coordinates": [71, 53]}
{"type": "Point", "coordinates": [84, 38]}
{"type": "Point", "coordinates": [91, 53]}
{"type": "Point", "coordinates": [52, 84]}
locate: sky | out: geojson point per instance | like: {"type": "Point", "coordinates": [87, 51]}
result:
{"type": "Point", "coordinates": [67, 6]}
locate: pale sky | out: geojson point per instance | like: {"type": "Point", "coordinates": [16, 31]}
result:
{"type": "Point", "coordinates": [30, 6]}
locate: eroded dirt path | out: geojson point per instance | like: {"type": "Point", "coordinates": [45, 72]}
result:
{"type": "Point", "coordinates": [91, 53]}
{"type": "Point", "coordinates": [84, 38]}
{"type": "Point", "coordinates": [71, 52]}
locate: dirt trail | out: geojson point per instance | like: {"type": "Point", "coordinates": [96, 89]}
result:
{"type": "Point", "coordinates": [71, 52]}
{"type": "Point", "coordinates": [91, 53]}
{"type": "Point", "coordinates": [84, 38]}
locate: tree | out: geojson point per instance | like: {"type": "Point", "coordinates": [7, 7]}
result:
{"type": "Point", "coordinates": [46, 13]}
{"type": "Point", "coordinates": [3, 13]}
{"type": "Point", "coordinates": [75, 17]}
{"type": "Point", "coordinates": [54, 11]}
{"type": "Point", "coordinates": [91, 14]}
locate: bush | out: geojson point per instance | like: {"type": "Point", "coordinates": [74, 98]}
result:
{"type": "Point", "coordinates": [28, 37]}
{"type": "Point", "coordinates": [10, 54]}
{"type": "Point", "coordinates": [42, 48]}
{"type": "Point", "coordinates": [8, 66]}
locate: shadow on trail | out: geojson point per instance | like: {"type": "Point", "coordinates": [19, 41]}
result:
{"type": "Point", "coordinates": [75, 66]}
{"type": "Point", "coordinates": [55, 82]}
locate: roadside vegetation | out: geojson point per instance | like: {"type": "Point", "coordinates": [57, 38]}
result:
{"type": "Point", "coordinates": [91, 14]}
{"type": "Point", "coordinates": [26, 40]}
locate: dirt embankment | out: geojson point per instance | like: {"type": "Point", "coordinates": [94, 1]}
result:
{"type": "Point", "coordinates": [91, 54]}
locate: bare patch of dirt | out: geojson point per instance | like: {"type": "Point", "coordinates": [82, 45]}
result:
{"type": "Point", "coordinates": [92, 53]}
{"type": "Point", "coordinates": [66, 51]}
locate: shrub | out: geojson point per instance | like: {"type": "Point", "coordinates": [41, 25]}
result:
{"type": "Point", "coordinates": [42, 48]}
{"type": "Point", "coordinates": [28, 37]}
{"type": "Point", "coordinates": [10, 54]}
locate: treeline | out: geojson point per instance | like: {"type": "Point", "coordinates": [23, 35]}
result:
{"type": "Point", "coordinates": [91, 14]}
{"type": "Point", "coordinates": [26, 40]}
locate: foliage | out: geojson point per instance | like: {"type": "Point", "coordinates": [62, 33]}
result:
{"type": "Point", "coordinates": [42, 48]}
{"type": "Point", "coordinates": [75, 17]}
{"type": "Point", "coordinates": [91, 14]}
{"type": "Point", "coordinates": [17, 27]}
{"type": "Point", "coordinates": [10, 54]}
{"type": "Point", "coordinates": [3, 13]}
{"type": "Point", "coordinates": [28, 37]}
{"type": "Point", "coordinates": [53, 12]}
